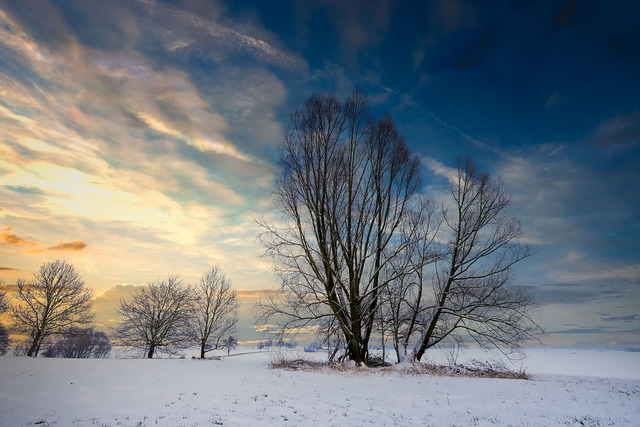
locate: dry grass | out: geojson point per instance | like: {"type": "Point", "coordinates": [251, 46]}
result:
{"type": "Point", "coordinates": [463, 371]}
{"type": "Point", "coordinates": [475, 369]}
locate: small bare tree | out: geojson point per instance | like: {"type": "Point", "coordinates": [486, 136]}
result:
{"type": "Point", "coordinates": [4, 301]}
{"type": "Point", "coordinates": [55, 299]}
{"type": "Point", "coordinates": [157, 317]}
{"type": "Point", "coordinates": [230, 343]}
{"type": "Point", "coordinates": [214, 311]}
{"type": "Point", "coordinates": [472, 292]}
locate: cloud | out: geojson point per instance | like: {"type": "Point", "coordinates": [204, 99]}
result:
{"type": "Point", "coordinates": [451, 15]}
{"type": "Point", "coordinates": [621, 132]}
{"type": "Point", "coordinates": [13, 240]}
{"type": "Point", "coordinates": [566, 14]}
{"type": "Point", "coordinates": [128, 152]}
{"type": "Point", "coordinates": [71, 246]}
{"type": "Point", "coordinates": [107, 302]}
{"type": "Point", "coordinates": [554, 99]}
{"type": "Point", "coordinates": [8, 269]}
{"type": "Point", "coordinates": [221, 34]}
{"type": "Point", "coordinates": [555, 194]}
{"type": "Point", "coordinates": [629, 318]}
{"type": "Point", "coordinates": [439, 168]}
{"type": "Point", "coordinates": [563, 293]}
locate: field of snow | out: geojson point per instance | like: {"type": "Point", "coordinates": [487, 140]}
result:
{"type": "Point", "coordinates": [242, 390]}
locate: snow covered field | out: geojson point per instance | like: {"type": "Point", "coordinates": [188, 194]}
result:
{"type": "Point", "coordinates": [242, 391]}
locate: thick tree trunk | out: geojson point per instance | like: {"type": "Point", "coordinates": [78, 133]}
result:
{"type": "Point", "coordinates": [35, 345]}
{"type": "Point", "coordinates": [202, 348]}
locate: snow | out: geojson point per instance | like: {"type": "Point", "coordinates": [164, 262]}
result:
{"type": "Point", "coordinates": [603, 389]}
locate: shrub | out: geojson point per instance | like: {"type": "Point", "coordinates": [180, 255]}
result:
{"type": "Point", "coordinates": [79, 343]}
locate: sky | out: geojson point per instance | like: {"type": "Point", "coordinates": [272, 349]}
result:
{"type": "Point", "coordinates": [138, 138]}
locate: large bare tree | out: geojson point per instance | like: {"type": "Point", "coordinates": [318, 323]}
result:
{"type": "Point", "coordinates": [346, 182]}
{"type": "Point", "coordinates": [157, 318]}
{"type": "Point", "coordinates": [214, 311]}
{"type": "Point", "coordinates": [472, 293]}
{"type": "Point", "coordinates": [54, 300]}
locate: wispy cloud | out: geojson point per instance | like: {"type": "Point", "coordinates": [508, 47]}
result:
{"type": "Point", "coordinates": [229, 37]}
{"type": "Point", "coordinates": [619, 132]}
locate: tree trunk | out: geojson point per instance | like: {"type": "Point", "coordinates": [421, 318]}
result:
{"type": "Point", "coordinates": [356, 352]}
{"type": "Point", "coordinates": [202, 348]}
{"type": "Point", "coordinates": [35, 345]}
{"type": "Point", "coordinates": [152, 348]}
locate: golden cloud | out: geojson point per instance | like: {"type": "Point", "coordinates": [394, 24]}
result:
{"type": "Point", "coordinates": [77, 245]}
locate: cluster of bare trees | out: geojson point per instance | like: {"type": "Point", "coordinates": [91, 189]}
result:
{"type": "Point", "coordinates": [359, 248]}
{"type": "Point", "coordinates": [162, 316]}
{"type": "Point", "coordinates": [167, 315]}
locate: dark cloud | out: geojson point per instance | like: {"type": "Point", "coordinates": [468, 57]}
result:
{"type": "Point", "coordinates": [585, 331]}
{"type": "Point", "coordinates": [474, 55]}
{"type": "Point", "coordinates": [621, 131]}
{"type": "Point", "coordinates": [70, 246]}
{"type": "Point", "coordinates": [25, 190]}
{"type": "Point", "coordinates": [629, 318]}
{"type": "Point", "coordinates": [566, 13]}
{"type": "Point", "coordinates": [562, 293]}
{"type": "Point", "coordinates": [8, 269]}
{"type": "Point", "coordinates": [452, 15]}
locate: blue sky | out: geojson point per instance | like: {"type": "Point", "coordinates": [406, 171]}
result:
{"type": "Point", "coordinates": [139, 138]}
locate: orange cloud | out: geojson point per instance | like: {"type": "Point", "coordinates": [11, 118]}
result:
{"type": "Point", "coordinates": [78, 245]}
{"type": "Point", "coordinates": [13, 240]}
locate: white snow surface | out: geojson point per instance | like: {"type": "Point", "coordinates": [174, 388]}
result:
{"type": "Point", "coordinates": [603, 389]}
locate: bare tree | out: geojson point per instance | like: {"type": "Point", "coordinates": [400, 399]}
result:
{"type": "Point", "coordinates": [229, 344]}
{"type": "Point", "coordinates": [402, 307]}
{"type": "Point", "coordinates": [79, 343]}
{"type": "Point", "coordinates": [346, 182]}
{"type": "Point", "coordinates": [4, 334]}
{"type": "Point", "coordinates": [55, 299]}
{"type": "Point", "coordinates": [215, 310]}
{"type": "Point", "coordinates": [4, 301]}
{"type": "Point", "coordinates": [157, 317]}
{"type": "Point", "coordinates": [472, 292]}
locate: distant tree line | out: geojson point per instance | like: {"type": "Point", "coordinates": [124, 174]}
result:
{"type": "Point", "coordinates": [54, 310]}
